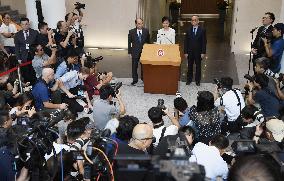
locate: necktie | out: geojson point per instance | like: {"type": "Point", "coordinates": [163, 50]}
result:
{"type": "Point", "coordinates": [26, 34]}
{"type": "Point", "coordinates": [194, 31]}
{"type": "Point", "coordinates": [140, 36]}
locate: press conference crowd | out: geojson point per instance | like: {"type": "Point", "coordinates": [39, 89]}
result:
{"type": "Point", "coordinates": [233, 134]}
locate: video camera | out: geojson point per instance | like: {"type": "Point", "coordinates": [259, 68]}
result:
{"type": "Point", "coordinates": [116, 87]}
{"type": "Point", "coordinates": [161, 105]}
{"type": "Point", "coordinates": [79, 5]}
{"type": "Point", "coordinates": [90, 62]}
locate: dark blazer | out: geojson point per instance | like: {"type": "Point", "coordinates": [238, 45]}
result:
{"type": "Point", "coordinates": [20, 43]}
{"type": "Point", "coordinates": [134, 46]}
{"type": "Point", "coordinates": [258, 43]}
{"type": "Point", "coordinates": [195, 44]}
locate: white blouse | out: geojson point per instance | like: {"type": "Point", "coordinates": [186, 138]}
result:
{"type": "Point", "coordinates": [166, 36]}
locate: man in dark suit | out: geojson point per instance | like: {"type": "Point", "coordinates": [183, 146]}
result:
{"type": "Point", "coordinates": [258, 49]}
{"type": "Point", "coordinates": [23, 40]}
{"type": "Point", "coordinates": [195, 49]}
{"type": "Point", "coordinates": [137, 37]}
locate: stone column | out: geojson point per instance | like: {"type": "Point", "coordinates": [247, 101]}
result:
{"type": "Point", "coordinates": [32, 13]}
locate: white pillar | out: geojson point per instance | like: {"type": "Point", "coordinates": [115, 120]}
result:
{"type": "Point", "coordinates": [53, 11]}
{"type": "Point", "coordinates": [282, 13]}
{"type": "Point", "coordinates": [32, 13]}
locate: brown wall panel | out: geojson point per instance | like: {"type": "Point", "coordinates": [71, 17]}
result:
{"type": "Point", "coordinates": [199, 7]}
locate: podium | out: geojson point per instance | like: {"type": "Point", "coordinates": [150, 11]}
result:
{"type": "Point", "coordinates": [161, 68]}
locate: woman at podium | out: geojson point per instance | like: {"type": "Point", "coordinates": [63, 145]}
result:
{"type": "Point", "coordinates": [166, 35]}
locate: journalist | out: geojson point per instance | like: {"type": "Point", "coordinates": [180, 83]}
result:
{"type": "Point", "coordinates": [259, 93]}
{"type": "Point", "coordinates": [210, 156]}
{"type": "Point", "coordinates": [181, 105]}
{"type": "Point", "coordinates": [104, 108]}
{"type": "Point", "coordinates": [184, 140]}
{"type": "Point", "coordinates": [71, 84]}
{"type": "Point", "coordinates": [45, 37]}
{"type": "Point", "coordinates": [231, 102]}
{"type": "Point", "coordinates": [205, 117]}
{"type": "Point", "coordinates": [62, 38]}
{"type": "Point", "coordinates": [155, 114]}
{"type": "Point", "coordinates": [142, 137]}
{"type": "Point", "coordinates": [42, 93]}
{"type": "Point", "coordinates": [274, 49]}
{"type": "Point", "coordinates": [67, 65]}
{"type": "Point", "coordinates": [8, 167]}
{"type": "Point", "coordinates": [41, 59]}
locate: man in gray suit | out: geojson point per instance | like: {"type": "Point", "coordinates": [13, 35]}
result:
{"type": "Point", "coordinates": [137, 37]}
{"type": "Point", "coordinates": [23, 40]}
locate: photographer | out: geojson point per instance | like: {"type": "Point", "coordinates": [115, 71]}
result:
{"type": "Point", "coordinates": [41, 91]}
{"type": "Point", "coordinates": [71, 84]}
{"type": "Point", "coordinates": [231, 101]}
{"type": "Point", "coordinates": [274, 50]}
{"type": "Point", "coordinates": [23, 108]}
{"type": "Point", "coordinates": [45, 37]}
{"type": "Point", "coordinates": [270, 135]}
{"type": "Point", "coordinates": [181, 105]}
{"type": "Point", "coordinates": [8, 167]}
{"type": "Point", "coordinates": [67, 65]}
{"type": "Point", "coordinates": [258, 48]}
{"type": "Point", "coordinates": [211, 157]}
{"type": "Point", "coordinates": [104, 109]}
{"type": "Point", "coordinates": [155, 114]}
{"type": "Point", "coordinates": [62, 38]}
{"type": "Point", "coordinates": [96, 79]}
{"type": "Point", "coordinates": [251, 117]}
{"type": "Point", "coordinates": [184, 139]}
{"type": "Point", "coordinates": [41, 59]}
{"type": "Point", "coordinates": [260, 93]}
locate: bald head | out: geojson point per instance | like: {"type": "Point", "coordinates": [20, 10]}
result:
{"type": "Point", "coordinates": [142, 131]}
{"type": "Point", "coordinates": [48, 74]}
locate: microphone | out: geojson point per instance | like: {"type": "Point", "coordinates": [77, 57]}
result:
{"type": "Point", "coordinates": [253, 29]}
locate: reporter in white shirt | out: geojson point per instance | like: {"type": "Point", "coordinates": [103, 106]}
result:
{"type": "Point", "coordinates": [8, 31]}
{"type": "Point", "coordinates": [210, 157]}
{"type": "Point", "coordinates": [166, 35]}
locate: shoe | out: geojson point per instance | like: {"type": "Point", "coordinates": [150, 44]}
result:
{"type": "Point", "coordinates": [198, 83]}
{"type": "Point", "coordinates": [188, 82]}
{"type": "Point", "coordinates": [134, 82]}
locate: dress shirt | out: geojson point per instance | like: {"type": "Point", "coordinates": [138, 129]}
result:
{"type": "Point", "coordinates": [139, 31]}
{"type": "Point", "coordinates": [71, 79]}
{"type": "Point", "coordinates": [11, 28]}
{"type": "Point", "coordinates": [210, 158]}
{"type": "Point", "coordinates": [26, 34]}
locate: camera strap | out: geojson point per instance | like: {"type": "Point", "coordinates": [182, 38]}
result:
{"type": "Point", "coordinates": [239, 100]}
{"type": "Point", "coordinates": [163, 133]}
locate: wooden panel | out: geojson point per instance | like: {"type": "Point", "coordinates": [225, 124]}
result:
{"type": "Point", "coordinates": [199, 7]}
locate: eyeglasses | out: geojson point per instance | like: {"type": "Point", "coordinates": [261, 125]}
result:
{"type": "Point", "coordinates": [40, 49]}
{"type": "Point", "coordinates": [194, 20]}
{"type": "Point", "coordinates": [145, 138]}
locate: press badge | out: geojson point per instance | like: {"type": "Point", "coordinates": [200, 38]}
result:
{"type": "Point", "coordinates": [27, 46]}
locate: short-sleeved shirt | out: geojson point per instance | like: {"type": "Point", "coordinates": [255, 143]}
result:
{"type": "Point", "coordinates": [11, 28]}
{"type": "Point", "coordinates": [277, 51]}
{"type": "Point", "coordinates": [62, 69]}
{"type": "Point", "coordinates": [103, 112]}
{"type": "Point", "coordinates": [37, 63]}
{"type": "Point", "coordinates": [71, 79]}
{"type": "Point", "coordinates": [41, 94]}
{"type": "Point", "coordinates": [268, 102]}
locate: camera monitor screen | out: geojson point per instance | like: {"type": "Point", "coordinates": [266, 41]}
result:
{"type": "Point", "coordinates": [133, 167]}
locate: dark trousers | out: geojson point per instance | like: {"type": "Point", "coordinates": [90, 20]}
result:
{"type": "Point", "coordinates": [28, 74]}
{"type": "Point", "coordinates": [191, 60]}
{"type": "Point", "coordinates": [135, 62]}
{"type": "Point", "coordinates": [73, 105]}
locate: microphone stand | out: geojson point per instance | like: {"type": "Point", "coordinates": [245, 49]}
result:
{"type": "Point", "coordinates": [250, 53]}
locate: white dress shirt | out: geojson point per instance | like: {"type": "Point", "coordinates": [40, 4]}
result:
{"type": "Point", "coordinates": [170, 130]}
{"type": "Point", "coordinates": [71, 79]}
{"type": "Point", "coordinates": [210, 158]}
{"type": "Point", "coordinates": [138, 32]}
{"type": "Point", "coordinates": [11, 28]}
{"type": "Point", "coordinates": [166, 36]}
